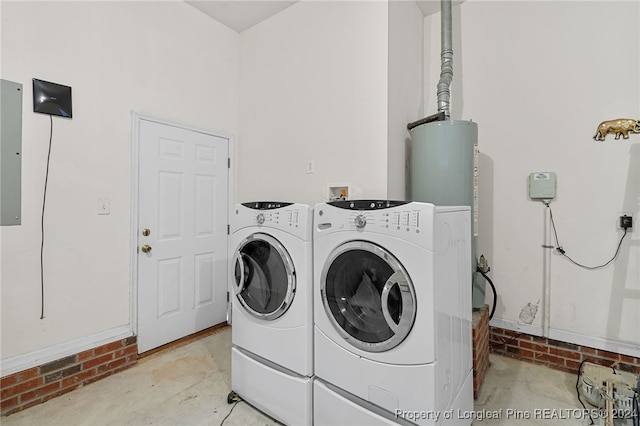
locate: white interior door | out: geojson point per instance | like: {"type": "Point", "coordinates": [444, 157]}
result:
{"type": "Point", "coordinates": [182, 232]}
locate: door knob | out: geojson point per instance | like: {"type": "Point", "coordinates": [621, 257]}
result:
{"type": "Point", "coordinates": [146, 232]}
{"type": "Point", "coordinates": [146, 248]}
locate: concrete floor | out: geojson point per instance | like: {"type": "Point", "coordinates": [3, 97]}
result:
{"type": "Point", "coordinates": [189, 384]}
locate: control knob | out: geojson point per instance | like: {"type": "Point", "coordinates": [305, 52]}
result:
{"type": "Point", "coordinates": [260, 218]}
{"type": "Point", "coordinates": [360, 221]}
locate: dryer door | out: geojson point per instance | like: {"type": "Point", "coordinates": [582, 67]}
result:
{"type": "Point", "coordinates": [368, 296]}
{"type": "Point", "coordinates": [265, 278]}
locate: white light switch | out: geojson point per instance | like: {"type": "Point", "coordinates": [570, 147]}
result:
{"type": "Point", "coordinates": [104, 206]}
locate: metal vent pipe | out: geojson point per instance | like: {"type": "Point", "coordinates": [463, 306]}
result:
{"type": "Point", "coordinates": [444, 155]}
{"type": "Point", "coordinates": [446, 57]}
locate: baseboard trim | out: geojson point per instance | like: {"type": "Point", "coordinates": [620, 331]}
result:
{"type": "Point", "coordinates": [52, 353]}
{"type": "Point", "coordinates": [614, 346]}
{"type": "Point", "coordinates": [533, 330]}
{"type": "Point", "coordinates": [609, 345]}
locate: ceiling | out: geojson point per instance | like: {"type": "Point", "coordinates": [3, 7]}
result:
{"type": "Point", "coordinates": [240, 15]}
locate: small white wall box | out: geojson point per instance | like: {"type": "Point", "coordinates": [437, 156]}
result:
{"type": "Point", "coordinates": [542, 186]}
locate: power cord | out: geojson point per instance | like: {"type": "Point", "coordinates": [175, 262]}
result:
{"type": "Point", "coordinates": [482, 269]}
{"type": "Point", "coordinates": [560, 250]}
{"type": "Point", "coordinates": [506, 342]}
{"type": "Point", "coordinates": [44, 202]}
{"type": "Point", "coordinates": [495, 294]}
{"type": "Point", "coordinates": [232, 398]}
{"type": "Point", "coordinates": [493, 288]}
{"type": "Point", "coordinates": [230, 411]}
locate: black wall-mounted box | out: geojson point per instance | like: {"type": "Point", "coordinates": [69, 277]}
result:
{"type": "Point", "coordinates": [51, 98]}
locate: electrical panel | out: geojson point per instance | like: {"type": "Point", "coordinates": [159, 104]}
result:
{"type": "Point", "coordinates": [10, 152]}
{"type": "Point", "coordinates": [542, 185]}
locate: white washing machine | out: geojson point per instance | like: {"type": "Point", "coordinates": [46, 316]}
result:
{"type": "Point", "coordinates": [272, 311]}
{"type": "Point", "coordinates": [392, 313]}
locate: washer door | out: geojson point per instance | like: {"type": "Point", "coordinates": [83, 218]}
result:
{"type": "Point", "coordinates": [265, 279]}
{"type": "Point", "coordinates": [368, 296]}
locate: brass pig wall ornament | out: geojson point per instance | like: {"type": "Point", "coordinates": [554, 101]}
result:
{"type": "Point", "coordinates": [619, 126]}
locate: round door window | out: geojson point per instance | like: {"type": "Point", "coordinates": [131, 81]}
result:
{"type": "Point", "coordinates": [264, 277]}
{"type": "Point", "coordinates": [368, 296]}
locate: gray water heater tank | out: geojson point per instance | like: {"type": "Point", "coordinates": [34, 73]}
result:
{"type": "Point", "coordinates": [444, 165]}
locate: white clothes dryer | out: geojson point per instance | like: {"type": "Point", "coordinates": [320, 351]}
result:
{"type": "Point", "coordinates": [270, 289]}
{"type": "Point", "coordinates": [392, 313]}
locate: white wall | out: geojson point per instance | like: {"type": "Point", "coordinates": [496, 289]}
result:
{"type": "Point", "coordinates": [164, 59]}
{"type": "Point", "coordinates": [405, 92]}
{"type": "Point", "coordinates": [538, 77]}
{"type": "Point", "coordinates": [314, 87]}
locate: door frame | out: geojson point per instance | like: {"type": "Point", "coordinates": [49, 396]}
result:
{"type": "Point", "coordinates": [136, 118]}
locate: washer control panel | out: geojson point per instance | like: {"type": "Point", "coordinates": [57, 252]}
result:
{"type": "Point", "coordinates": [366, 204]}
{"type": "Point", "coordinates": [265, 205]}
{"type": "Point", "coordinates": [399, 219]}
{"type": "Point", "coordinates": [274, 213]}
{"type": "Point", "coordinates": [388, 214]}
{"type": "Point", "coordinates": [360, 221]}
{"type": "Point", "coordinates": [413, 222]}
{"type": "Point", "coordinates": [291, 217]}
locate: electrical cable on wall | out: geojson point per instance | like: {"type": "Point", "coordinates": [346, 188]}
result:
{"type": "Point", "coordinates": [507, 341]}
{"type": "Point", "coordinates": [482, 269]}
{"type": "Point", "coordinates": [495, 293]}
{"type": "Point", "coordinates": [44, 202]}
{"type": "Point", "coordinates": [51, 99]}
{"type": "Point", "coordinates": [560, 250]}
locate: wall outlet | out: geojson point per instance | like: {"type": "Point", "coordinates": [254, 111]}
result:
{"type": "Point", "coordinates": [626, 221]}
{"type": "Point", "coordinates": [310, 167]}
{"type": "Point", "coordinates": [620, 224]}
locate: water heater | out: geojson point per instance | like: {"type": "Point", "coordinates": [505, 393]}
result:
{"type": "Point", "coordinates": [444, 166]}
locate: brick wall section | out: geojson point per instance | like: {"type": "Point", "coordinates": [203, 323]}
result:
{"type": "Point", "coordinates": [480, 348]}
{"type": "Point", "coordinates": [39, 384]}
{"type": "Point", "coordinates": [556, 354]}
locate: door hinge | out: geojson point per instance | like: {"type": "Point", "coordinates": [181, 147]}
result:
{"type": "Point", "coordinates": [228, 163]}
{"type": "Point", "coordinates": [228, 229]}
{"type": "Point", "coordinates": [227, 297]}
